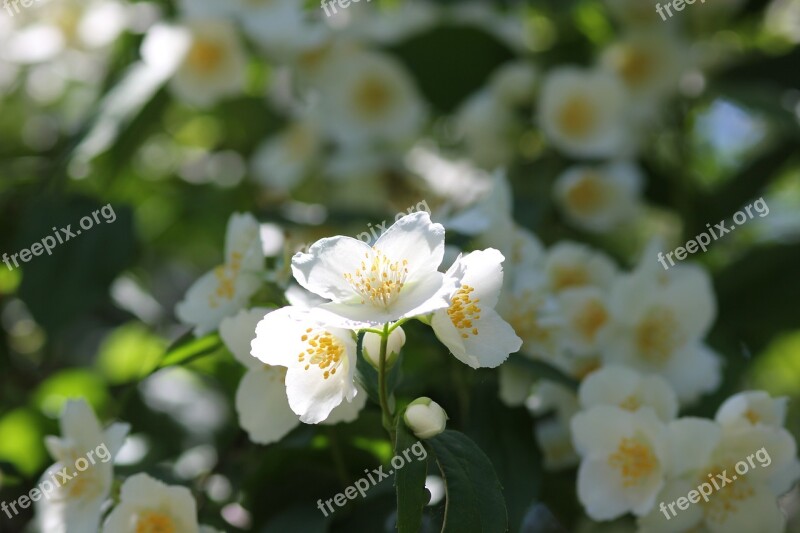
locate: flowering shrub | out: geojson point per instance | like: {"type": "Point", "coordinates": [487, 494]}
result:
{"type": "Point", "coordinates": [267, 329]}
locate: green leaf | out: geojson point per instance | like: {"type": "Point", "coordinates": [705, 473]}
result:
{"type": "Point", "coordinates": [184, 352]}
{"type": "Point", "coordinates": [410, 483]}
{"type": "Point", "coordinates": [474, 494]}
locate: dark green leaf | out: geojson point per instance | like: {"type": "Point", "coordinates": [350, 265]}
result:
{"type": "Point", "coordinates": [474, 494]}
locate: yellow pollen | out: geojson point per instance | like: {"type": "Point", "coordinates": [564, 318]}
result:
{"type": "Point", "coordinates": [635, 67]}
{"type": "Point", "coordinates": [205, 57]}
{"type": "Point", "coordinates": [566, 277]}
{"type": "Point", "coordinates": [634, 460]}
{"type": "Point", "coordinates": [752, 416]}
{"type": "Point", "coordinates": [155, 523]}
{"type": "Point", "coordinates": [726, 500]}
{"type": "Point", "coordinates": [372, 97]}
{"type": "Point", "coordinates": [464, 310]}
{"type": "Point", "coordinates": [658, 336]}
{"type": "Point", "coordinates": [577, 116]}
{"type": "Point", "coordinates": [588, 195]}
{"type": "Point", "coordinates": [378, 279]}
{"type": "Point", "coordinates": [326, 352]}
{"type": "Point", "coordinates": [226, 280]}
{"type": "Point", "coordinates": [631, 403]}
{"type": "Point", "coordinates": [591, 319]}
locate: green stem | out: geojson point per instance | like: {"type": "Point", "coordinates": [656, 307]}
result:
{"type": "Point", "coordinates": [388, 418]}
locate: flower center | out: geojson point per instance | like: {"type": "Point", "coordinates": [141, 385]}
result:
{"type": "Point", "coordinates": [568, 276]}
{"type": "Point", "coordinates": [577, 116]}
{"type": "Point", "coordinates": [725, 501]}
{"type": "Point", "coordinates": [324, 350]}
{"type": "Point", "coordinates": [226, 280]}
{"type": "Point", "coordinates": [631, 403]}
{"type": "Point", "coordinates": [464, 310]}
{"type": "Point", "coordinates": [658, 335]}
{"type": "Point", "coordinates": [372, 97]}
{"type": "Point", "coordinates": [588, 195]}
{"type": "Point", "coordinates": [634, 460]}
{"type": "Point", "coordinates": [379, 279]}
{"type": "Point", "coordinates": [155, 523]}
{"type": "Point", "coordinates": [205, 56]}
{"type": "Point", "coordinates": [752, 416]}
{"type": "Point", "coordinates": [635, 67]}
{"type": "Point", "coordinates": [591, 319]}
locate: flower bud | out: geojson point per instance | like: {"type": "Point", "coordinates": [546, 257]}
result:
{"type": "Point", "coordinates": [372, 347]}
{"type": "Point", "coordinates": [425, 418]}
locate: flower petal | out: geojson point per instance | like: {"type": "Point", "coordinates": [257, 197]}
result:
{"type": "Point", "coordinates": [263, 407]}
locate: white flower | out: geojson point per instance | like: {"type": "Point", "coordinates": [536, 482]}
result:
{"type": "Point", "coordinates": [489, 129]}
{"type": "Point", "coordinates": [738, 501]}
{"type": "Point", "coordinates": [585, 319]}
{"type": "Point", "coordinates": [470, 327]}
{"type": "Point", "coordinates": [515, 384]}
{"type": "Point", "coordinates": [372, 347]}
{"type": "Point", "coordinates": [320, 361]}
{"type": "Point", "coordinates": [624, 459]}
{"type": "Point", "coordinates": [213, 67]}
{"type": "Point", "coordinates": [582, 112]}
{"type": "Point", "coordinates": [627, 389]}
{"type": "Point", "coordinates": [534, 315]}
{"type": "Point", "coordinates": [147, 504]}
{"type": "Point", "coordinates": [514, 83]}
{"type": "Point", "coordinates": [226, 289]}
{"type": "Point", "coordinates": [570, 265]}
{"type": "Point", "coordinates": [753, 408]}
{"type": "Point", "coordinates": [649, 63]}
{"type": "Point", "coordinates": [555, 441]}
{"type": "Point", "coordinates": [283, 161]}
{"type": "Point", "coordinates": [599, 199]}
{"type": "Point", "coordinates": [78, 503]}
{"type": "Point", "coordinates": [261, 400]}
{"type": "Point", "coordinates": [281, 27]}
{"type": "Point", "coordinates": [425, 418]}
{"type": "Point", "coordinates": [658, 325]}
{"type": "Point", "coordinates": [395, 278]}
{"type": "Point", "coordinates": [367, 98]}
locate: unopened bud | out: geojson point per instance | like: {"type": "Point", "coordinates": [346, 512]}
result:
{"type": "Point", "coordinates": [425, 418]}
{"type": "Point", "coordinates": [372, 347]}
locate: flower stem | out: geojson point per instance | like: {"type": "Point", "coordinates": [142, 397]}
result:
{"type": "Point", "coordinates": [388, 418]}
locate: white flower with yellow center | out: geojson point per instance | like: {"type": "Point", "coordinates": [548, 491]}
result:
{"type": "Point", "coordinates": [283, 161]}
{"type": "Point", "coordinates": [570, 265]}
{"type": "Point", "coordinates": [599, 199]}
{"type": "Point", "coordinates": [213, 66]}
{"type": "Point", "coordinates": [737, 501]}
{"type": "Point", "coordinates": [533, 314]}
{"type": "Point", "coordinates": [77, 504]}
{"type": "Point", "coordinates": [658, 326]}
{"type": "Point", "coordinates": [320, 361]}
{"type": "Point", "coordinates": [649, 64]}
{"type": "Point", "coordinates": [149, 506]}
{"type": "Point", "coordinates": [752, 408]}
{"type": "Point", "coordinates": [226, 289]}
{"type": "Point", "coordinates": [261, 400]}
{"type": "Point", "coordinates": [624, 460]}
{"type": "Point", "coordinates": [395, 278]}
{"type": "Point", "coordinates": [367, 98]}
{"type": "Point", "coordinates": [627, 389]}
{"type": "Point", "coordinates": [586, 318]}
{"type": "Point", "coordinates": [582, 112]}
{"type": "Point", "coordinates": [470, 327]}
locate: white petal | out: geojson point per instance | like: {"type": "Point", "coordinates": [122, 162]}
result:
{"type": "Point", "coordinates": [483, 270]}
{"type": "Point", "coordinates": [312, 397]}
{"type": "Point", "coordinates": [278, 337]}
{"type": "Point", "coordinates": [243, 242]}
{"type": "Point", "coordinates": [416, 239]}
{"type": "Point", "coordinates": [347, 411]}
{"type": "Point", "coordinates": [115, 437]}
{"type": "Point", "coordinates": [263, 407]}
{"type": "Point", "coordinates": [492, 345]}
{"type": "Point", "coordinates": [691, 442]}
{"type": "Point", "coordinates": [322, 269]}
{"type": "Point", "coordinates": [238, 332]}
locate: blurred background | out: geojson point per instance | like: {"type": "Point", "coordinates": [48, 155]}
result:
{"type": "Point", "coordinates": [178, 114]}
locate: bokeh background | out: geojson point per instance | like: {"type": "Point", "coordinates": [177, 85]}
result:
{"type": "Point", "coordinates": [90, 117]}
